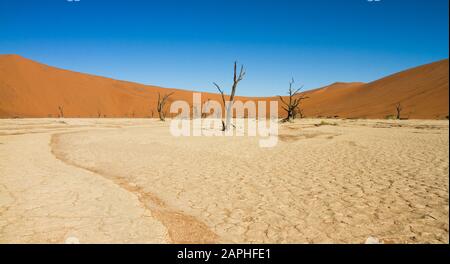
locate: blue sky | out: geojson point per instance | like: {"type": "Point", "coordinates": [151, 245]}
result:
{"type": "Point", "coordinates": [190, 44]}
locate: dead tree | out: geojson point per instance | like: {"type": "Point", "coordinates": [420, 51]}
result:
{"type": "Point", "coordinates": [228, 106]}
{"type": "Point", "coordinates": [398, 108]}
{"type": "Point", "coordinates": [61, 111]}
{"type": "Point", "coordinates": [206, 104]}
{"type": "Point", "coordinates": [161, 103]}
{"type": "Point", "coordinates": [195, 111]}
{"type": "Point", "coordinates": [292, 107]}
{"type": "Point", "coordinates": [298, 112]}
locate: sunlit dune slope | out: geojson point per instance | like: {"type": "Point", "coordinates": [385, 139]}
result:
{"type": "Point", "coordinates": [32, 89]}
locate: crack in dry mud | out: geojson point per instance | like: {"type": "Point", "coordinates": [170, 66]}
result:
{"type": "Point", "coordinates": [182, 228]}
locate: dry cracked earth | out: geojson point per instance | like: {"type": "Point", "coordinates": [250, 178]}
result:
{"type": "Point", "coordinates": [131, 181]}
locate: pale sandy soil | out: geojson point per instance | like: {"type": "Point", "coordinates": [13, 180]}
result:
{"type": "Point", "coordinates": [130, 181]}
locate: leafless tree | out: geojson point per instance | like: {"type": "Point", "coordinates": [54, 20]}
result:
{"type": "Point", "coordinates": [298, 112]}
{"type": "Point", "coordinates": [398, 108]}
{"type": "Point", "coordinates": [236, 79]}
{"type": "Point", "coordinates": [196, 111]}
{"type": "Point", "coordinates": [61, 111]}
{"type": "Point", "coordinates": [161, 103]}
{"type": "Point", "coordinates": [292, 107]}
{"type": "Point", "coordinates": [206, 104]}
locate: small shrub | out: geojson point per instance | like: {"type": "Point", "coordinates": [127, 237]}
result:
{"type": "Point", "coordinates": [324, 123]}
{"type": "Point", "coordinates": [391, 117]}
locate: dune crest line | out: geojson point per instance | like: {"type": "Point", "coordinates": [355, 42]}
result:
{"type": "Point", "coordinates": [182, 228]}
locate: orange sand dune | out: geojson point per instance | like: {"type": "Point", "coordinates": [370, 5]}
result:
{"type": "Point", "coordinates": [422, 92]}
{"type": "Point", "coordinates": [31, 89]}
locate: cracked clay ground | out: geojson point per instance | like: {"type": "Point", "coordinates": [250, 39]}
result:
{"type": "Point", "coordinates": [130, 181]}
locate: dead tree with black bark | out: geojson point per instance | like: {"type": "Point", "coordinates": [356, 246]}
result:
{"type": "Point", "coordinates": [298, 112]}
{"type": "Point", "coordinates": [206, 106]}
{"type": "Point", "coordinates": [399, 108]}
{"type": "Point", "coordinates": [229, 104]}
{"type": "Point", "coordinates": [292, 106]}
{"type": "Point", "coordinates": [61, 111]}
{"type": "Point", "coordinates": [161, 103]}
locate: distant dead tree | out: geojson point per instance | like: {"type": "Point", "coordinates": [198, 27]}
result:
{"type": "Point", "coordinates": [298, 112]}
{"type": "Point", "coordinates": [292, 107]}
{"type": "Point", "coordinates": [236, 79]}
{"type": "Point", "coordinates": [398, 108]}
{"type": "Point", "coordinates": [61, 111]}
{"type": "Point", "coordinates": [206, 104]}
{"type": "Point", "coordinates": [99, 113]}
{"type": "Point", "coordinates": [161, 103]}
{"type": "Point", "coordinates": [195, 111]}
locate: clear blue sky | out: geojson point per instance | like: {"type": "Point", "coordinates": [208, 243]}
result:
{"type": "Point", "coordinates": [190, 44]}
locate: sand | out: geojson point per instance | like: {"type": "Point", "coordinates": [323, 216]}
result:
{"type": "Point", "coordinates": [32, 89]}
{"type": "Point", "coordinates": [130, 181]}
{"type": "Point", "coordinates": [422, 92]}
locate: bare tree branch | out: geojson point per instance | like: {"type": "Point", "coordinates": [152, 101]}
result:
{"type": "Point", "coordinates": [221, 92]}
{"type": "Point", "coordinates": [236, 79]}
{"type": "Point", "coordinates": [161, 103]}
{"type": "Point", "coordinates": [61, 111]}
{"type": "Point", "coordinates": [292, 105]}
{"type": "Point", "coordinates": [399, 109]}
{"type": "Point", "coordinates": [282, 100]}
